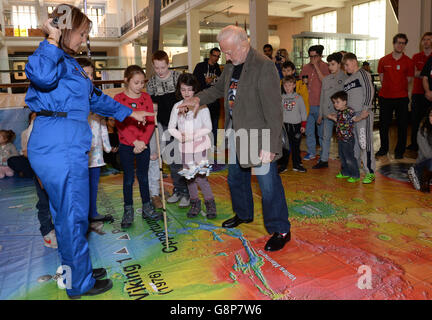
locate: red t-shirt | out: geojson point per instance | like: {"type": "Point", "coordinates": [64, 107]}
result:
{"type": "Point", "coordinates": [129, 130]}
{"type": "Point", "coordinates": [395, 82]}
{"type": "Point", "coordinates": [419, 60]}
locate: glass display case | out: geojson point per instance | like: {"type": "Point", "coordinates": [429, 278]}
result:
{"type": "Point", "coordinates": [364, 46]}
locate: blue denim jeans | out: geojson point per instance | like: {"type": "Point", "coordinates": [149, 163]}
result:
{"type": "Point", "coordinates": [274, 206]}
{"type": "Point", "coordinates": [44, 213]}
{"type": "Point", "coordinates": [310, 130]}
{"type": "Point", "coordinates": [142, 164]}
{"type": "Point", "coordinates": [349, 165]}
{"type": "Point", "coordinates": [94, 175]}
{"type": "Point", "coordinates": [327, 133]}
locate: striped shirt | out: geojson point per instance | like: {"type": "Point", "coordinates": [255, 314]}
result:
{"type": "Point", "coordinates": [360, 90]}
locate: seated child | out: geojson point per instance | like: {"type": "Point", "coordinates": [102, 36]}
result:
{"type": "Point", "coordinates": [7, 150]}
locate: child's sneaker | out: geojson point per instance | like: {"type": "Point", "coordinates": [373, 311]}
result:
{"type": "Point", "coordinates": [299, 168]}
{"type": "Point", "coordinates": [353, 180]}
{"type": "Point", "coordinates": [195, 208]}
{"type": "Point", "coordinates": [369, 178]}
{"type": "Point", "coordinates": [128, 216]}
{"type": "Point", "coordinates": [341, 176]}
{"type": "Point", "coordinates": [210, 208]}
{"type": "Point", "coordinates": [412, 175]}
{"type": "Point", "coordinates": [50, 240]}
{"type": "Point", "coordinates": [149, 212]}
{"type": "Point", "coordinates": [309, 157]}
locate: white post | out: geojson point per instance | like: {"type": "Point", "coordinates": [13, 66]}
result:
{"type": "Point", "coordinates": [258, 12]}
{"type": "Point", "coordinates": [193, 38]}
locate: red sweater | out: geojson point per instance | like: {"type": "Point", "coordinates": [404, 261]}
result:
{"type": "Point", "coordinates": [129, 130]}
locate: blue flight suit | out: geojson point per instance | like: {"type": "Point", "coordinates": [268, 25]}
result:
{"type": "Point", "coordinates": [58, 147]}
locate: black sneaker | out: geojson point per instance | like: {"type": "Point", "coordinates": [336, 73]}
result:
{"type": "Point", "coordinates": [299, 168]}
{"type": "Point", "coordinates": [398, 156]}
{"type": "Point", "coordinates": [320, 165]}
{"type": "Point", "coordinates": [282, 169]}
{"type": "Point", "coordinates": [380, 153]}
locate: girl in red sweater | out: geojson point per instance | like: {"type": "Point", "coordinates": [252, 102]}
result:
{"type": "Point", "coordinates": [134, 138]}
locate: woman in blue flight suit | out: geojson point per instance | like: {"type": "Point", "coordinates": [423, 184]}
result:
{"type": "Point", "coordinates": [62, 95]}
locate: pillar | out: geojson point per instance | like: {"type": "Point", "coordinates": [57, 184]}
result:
{"type": "Point", "coordinates": [137, 54]}
{"type": "Point", "coordinates": [193, 38]}
{"type": "Point", "coordinates": [258, 23]}
{"type": "Point", "coordinates": [153, 34]}
{"type": "Point", "coordinates": [410, 23]}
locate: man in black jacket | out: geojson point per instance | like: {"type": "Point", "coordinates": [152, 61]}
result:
{"type": "Point", "coordinates": [207, 73]}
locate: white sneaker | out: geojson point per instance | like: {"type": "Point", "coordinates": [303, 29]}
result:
{"type": "Point", "coordinates": [50, 240]}
{"type": "Point", "coordinates": [184, 202]}
{"type": "Point", "coordinates": [413, 178]}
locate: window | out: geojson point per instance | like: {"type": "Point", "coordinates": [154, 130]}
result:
{"type": "Point", "coordinates": [96, 15]}
{"type": "Point", "coordinates": [23, 18]}
{"type": "Point", "coordinates": [369, 18]}
{"type": "Point", "coordinates": [326, 22]}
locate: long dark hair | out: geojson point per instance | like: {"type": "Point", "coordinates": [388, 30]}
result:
{"type": "Point", "coordinates": [426, 127]}
{"type": "Point", "coordinates": [187, 79]}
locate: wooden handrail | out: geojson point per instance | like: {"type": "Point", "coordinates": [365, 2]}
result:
{"type": "Point", "coordinates": [26, 84]}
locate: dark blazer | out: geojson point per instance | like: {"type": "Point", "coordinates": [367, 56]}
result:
{"type": "Point", "coordinates": [258, 105]}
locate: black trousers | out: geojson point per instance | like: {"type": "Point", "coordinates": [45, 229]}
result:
{"type": "Point", "coordinates": [21, 165]}
{"type": "Point", "coordinates": [419, 106]}
{"type": "Point", "coordinates": [214, 109]}
{"type": "Point", "coordinates": [294, 138]}
{"type": "Point", "coordinates": [400, 107]}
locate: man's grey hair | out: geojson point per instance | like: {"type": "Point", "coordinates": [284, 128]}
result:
{"type": "Point", "coordinates": [234, 33]}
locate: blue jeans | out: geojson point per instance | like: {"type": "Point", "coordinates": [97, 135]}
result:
{"type": "Point", "coordinates": [327, 133]}
{"type": "Point", "coordinates": [94, 175]}
{"type": "Point", "coordinates": [275, 209]}
{"type": "Point", "coordinates": [142, 164]}
{"type": "Point", "coordinates": [310, 130]}
{"type": "Point", "coordinates": [44, 213]}
{"type": "Point", "coordinates": [349, 165]}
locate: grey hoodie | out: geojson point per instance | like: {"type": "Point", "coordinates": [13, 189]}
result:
{"type": "Point", "coordinates": [330, 85]}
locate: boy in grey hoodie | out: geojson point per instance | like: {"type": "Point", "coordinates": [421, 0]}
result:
{"type": "Point", "coordinates": [360, 92]}
{"type": "Point", "coordinates": [331, 84]}
{"type": "Point", "coordinates": [294, 118]}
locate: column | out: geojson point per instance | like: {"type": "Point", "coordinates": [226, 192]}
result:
{"type": "Point", "coordinates": [193, 38]}
{"type": "Point", "coordinates": [134, 11]}
{"type": "Point", "coordinates": [137, 54]}
{"type": "Point", "coordinates": [153, 34]}
{"type": "Point", "coordinates": [410, 23]}
{"type": "Point", "coordinates": [258, 13]}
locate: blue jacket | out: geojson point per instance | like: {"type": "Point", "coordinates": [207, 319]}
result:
{"type": "Point", "coordinates": [58, 83]}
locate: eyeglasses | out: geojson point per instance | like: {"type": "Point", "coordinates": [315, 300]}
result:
{"type": "Point", "coordinates": [216, 55]}
{"type": "Point", "coordinates": [402, 43]}
{"type": "Point", "coordinates": [314, 56]}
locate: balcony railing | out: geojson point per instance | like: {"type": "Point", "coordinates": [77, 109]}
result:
{"type": "Point", "coordinates": [126, 27]}
{"type": "Point", "coordinates": [141, 17]}
{"type": "Point", "coordinates": [17, 31]}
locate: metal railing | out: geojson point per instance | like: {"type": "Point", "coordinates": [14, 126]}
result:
{"type": "Point", "coordinates": [126, 27]}
{"type": "Point", "coordinates": [17, 31]}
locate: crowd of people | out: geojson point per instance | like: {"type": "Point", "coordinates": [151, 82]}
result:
{"type": "Point", "coordinates": [75, 129]}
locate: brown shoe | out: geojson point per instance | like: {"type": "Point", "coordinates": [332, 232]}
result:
{"type": "Point", "coordinates": [157, 202]}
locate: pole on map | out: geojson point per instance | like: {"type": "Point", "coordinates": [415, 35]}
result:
{"type": "Point", "coordinates": [155, 106]}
